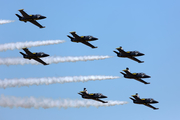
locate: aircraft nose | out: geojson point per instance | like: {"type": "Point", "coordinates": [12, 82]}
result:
{"type": "Point", "coordinates": [95, 38]}
{"type": "Point", "coordinates": [45, 55]}
{"type": "Point", "coordinates": [147, 76]}
{"type": "Point", "coordinates": [104, 96]}
{"type": "Point", "coordinates": [141, 54]}
{"type": "Point", "coordinates": [42, 17]}
{"type": "Point", "coordinates": [156, 101]}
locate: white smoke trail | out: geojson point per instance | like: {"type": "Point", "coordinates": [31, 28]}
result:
{"type": "Point", "coordinates": [53, 59]}
{"type": "Point", "coordinates": [50, 103]}
{"type": "Point", "coordinates": [51, 80]}
{"type": "Point", "coordinates": [6, 21]}
{"type": "Point", "coordinates": [20, 45]}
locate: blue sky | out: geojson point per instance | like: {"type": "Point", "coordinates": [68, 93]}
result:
{"type": "Point", "coordinates": [151, 27]}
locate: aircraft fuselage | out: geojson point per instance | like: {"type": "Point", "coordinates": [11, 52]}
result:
{"type": "Point", "coordinates": [35, 55]}
{"type": "Point", "coordinates": [145, 101]}
{"type": "Point", "coordinates": [32, 17]}
{"type": "Point", "coordinates": [84, 38]}
{"type": "Point", "coordinates": [129, 54]}
{"type": "Point", "coordinates": [136, 75]}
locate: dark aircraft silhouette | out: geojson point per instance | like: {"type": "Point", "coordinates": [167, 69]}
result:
{"type": "Point", "coordinates": [129, 54]}
{"type": "Point", "coordinates": [31, 18]}
{"type": "Point", "coordinates": [144, 101]}
{"type": "Point", "coordinates": [94, 96]}
{"type": "Point", "coordinates": [136, 76]}
{"type": "Point", "coordinates": [36, 56]}
{"type": "Point", "coordinates": [82, 39]}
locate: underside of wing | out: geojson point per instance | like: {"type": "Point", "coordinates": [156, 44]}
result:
{"type": "Point", "coordinates": [36, 23]}
{"type": "Point", "coordinates": [100, 100]}
{"type": "Point", "coordinates": [76, 36]}
{"type": "Point", "coordinates": [140, 80]}
{"type": "Point", "coordinates": [28, 52]}
{"type": "Point", "coordinates": [41, 61]}
{"type": "Point", "coordinates": [148, 105]}
{"type": "Point", "coordinates": [88, 44]}
{"type": "Point", "coordinates": [24, 13]}
{"type": "Point", "coordinates": [135, 59]}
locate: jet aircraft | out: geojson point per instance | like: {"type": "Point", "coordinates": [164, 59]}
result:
{"type": "Point", "coordinates": [129, 54]}
{"type": "Point", "coordinates": [82, 39]}
{"type": "Point", "coordinates": [36, 56]}
{"type": "Point", "coordinates": [31, 18]}
{"type": "Point", "coordinates": [136, 76]}
{"type": "Point", "coordinates": [144, 101]}
{"type": "Point", "coordinates": [94, 96]}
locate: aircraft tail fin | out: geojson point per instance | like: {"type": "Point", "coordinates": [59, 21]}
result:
{"type": "Point", "coordinates": [22, 53]}
{"type": "Point", "coordinates": [18, 16]}
{"type": "Point", "coordinates": [70, 37]}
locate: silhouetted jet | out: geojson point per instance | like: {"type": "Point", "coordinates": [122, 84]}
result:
{"type": "Point", "coordinates": [136, 76]}
{"type": "Point", "coordinates": [129, 54]}
{"type": "Point", "coordinates": [144, 101]}
{"type": "Point", "coordinates": [31, 18]}
{"type": "Point", "coordinates": [82, 39]}
{"type": "Point", "coordinates": [94, 96]}
{"type": "Point", "coordinates": [36, 56]}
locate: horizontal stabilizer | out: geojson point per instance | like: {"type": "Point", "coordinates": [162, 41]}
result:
{"type": "Point", "coordinates": [70, 37]}
{"type": "Point", "coordinates": [22, 53]}
{"type": "Point", "coordinates": [18, 16]}
{"type": "Point", "coordinates": [116, 52]}
{"type": "Point", "coordinates": [122, 73]}
{"type": "Point", "coordinates": [131, 98]}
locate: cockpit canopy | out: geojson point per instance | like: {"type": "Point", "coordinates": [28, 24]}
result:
{"type": "Point", "coordinates": [41, 53]}
{"type": "Point", "coordinates": [136, 51]}
{"type": "Point", "coordinates": [142, 73]}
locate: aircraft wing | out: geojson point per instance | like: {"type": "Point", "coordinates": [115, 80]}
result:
{"type": "Point", "coordinates": [28, 52]}
{"type": "Point", "coordinates": [41, 61]}
{"type": "Point", "coordinates": [76, 36]}
{"type": "Point", "coordinates": [37, 24]}
{"type": "Point", "coordinates": [24, 13]}
{"type": "Point", "coordinates": [100, 100]}
{"type": "Point", "coordinates": [148, 105]}
{"type": "Point", "coordinates": [140, 80]}
{"type": "Point", "coordinates": [88, 44]}
{"type": "Point", "coordinates": [135, 59]}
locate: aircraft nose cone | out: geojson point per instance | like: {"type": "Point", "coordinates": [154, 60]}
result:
{"type": "Point", "coordinates": [42, 17]}
{"type": "Point", "coordinates": [45, 55]}
{"type": "Point", "coordinates": [147, 76]}
{"type": "Point", "coordinates": [156, 102]}
{"type": "Point", "coordinates": [95, 38]}
{"type": "Point", "coordinates": [141, 54]}
{"type": "Point", "coordinates": [104, 96]}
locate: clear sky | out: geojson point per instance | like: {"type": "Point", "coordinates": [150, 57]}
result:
{"type": "Point", "coordinates": [151, 27]}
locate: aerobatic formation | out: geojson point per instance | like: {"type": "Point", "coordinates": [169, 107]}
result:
{"type": "Point", "coordinates": [65, 103]}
